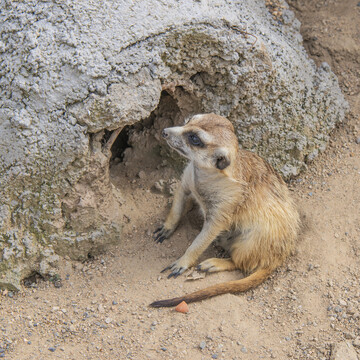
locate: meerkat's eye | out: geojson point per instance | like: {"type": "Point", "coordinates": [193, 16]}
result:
{"type": "Point", "coordinates": [195, 140]}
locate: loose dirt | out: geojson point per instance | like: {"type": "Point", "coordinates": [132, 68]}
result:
{"type": "Point", "coordinates": [306, 310]}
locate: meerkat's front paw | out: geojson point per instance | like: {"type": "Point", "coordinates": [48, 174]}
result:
{"type": "Point", "coordinates": [178, 267]}
{"type": "Point", "coordinates": [161, 233]}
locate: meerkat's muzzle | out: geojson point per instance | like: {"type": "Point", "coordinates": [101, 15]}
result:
{"type": "Point", "coordinates": [173, 138]}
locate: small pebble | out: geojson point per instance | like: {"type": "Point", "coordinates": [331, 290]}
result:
{"type": "Point", "coordinates": [349, 336]}
{"type": "Point", "coordinates": [244, 350]}
{"type": "Point", "coordinates": [58, 284]}
{"type": "Point", "coordinates": [114, 302]}
{"type": "Point", "coordinates": [163, 348]}
{"type": "Point", "coordinates": [52, 349]}
{"type": "Point", "coordinates": [214, 356]}
{"type": "Point", "coordinates": [141, 174]}
{"type": "Point", "coordinates": [202, 345]}
{"type": "Point", "coordinates": [182, 307]}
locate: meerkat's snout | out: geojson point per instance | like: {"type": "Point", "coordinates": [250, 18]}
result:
{"type": "Point", "coordinates": [173, 137]}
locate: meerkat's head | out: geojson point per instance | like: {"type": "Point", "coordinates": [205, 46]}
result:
{"type": "Point", "coordinates": [207, 139]}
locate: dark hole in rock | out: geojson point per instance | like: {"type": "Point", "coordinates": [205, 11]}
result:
{"type": "Point", "coordinates": [120, 144]}
{"type": "Point", "coordinates": [32, 280]}
{"type": "Point", "coordinates": [139, 147]}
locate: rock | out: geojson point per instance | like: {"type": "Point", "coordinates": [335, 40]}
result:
{"type": "Point", "coordinates": [72, 328]}
{"type": "Point", "coordinates": [160, 185]}
{"type": "Point", "coordinates": [343, 351]}
{"type": "Point", "coordinates": [182, 307]}
{"type": "Point", "coordinates": [202, 345]}
{"type": "Point", "coordinates": [61, 89]}
{"type": "Point", "coordinates": [58, 284]}
{"type": "Point", "coordinates": [141, 174]}
{"type": "Point", "coordinates": [357, 140]}
{"type": "Point", "coordinates": [356, 342]}
{"type": "Point", "coordinates": [348, 335]}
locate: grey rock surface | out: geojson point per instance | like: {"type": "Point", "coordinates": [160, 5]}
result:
{"type": "Point", "coordinates": [69, 70]}
{"type": "Point", "coordinates": [343, 351]}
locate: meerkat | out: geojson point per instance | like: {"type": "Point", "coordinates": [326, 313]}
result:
{"type": "Point", "coordinates": [246, 206]}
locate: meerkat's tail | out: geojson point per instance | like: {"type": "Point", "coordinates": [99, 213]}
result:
{"type": "Point", "coordinates": [231, 287]}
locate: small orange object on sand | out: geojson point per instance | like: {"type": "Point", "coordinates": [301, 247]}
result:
{"type": "Point", "coordinates": [182, 307]}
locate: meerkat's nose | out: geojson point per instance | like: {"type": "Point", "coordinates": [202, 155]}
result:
{"type": "Point", "coordinates": [164, 133]}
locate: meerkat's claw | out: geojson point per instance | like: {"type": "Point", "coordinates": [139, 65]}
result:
{"type": "Point", "coordinates": [160, 239]}
{"type": "Point", "coordinates": [160, 234]}
{"type": "Point", "coordinates": [167, 268]}
{"type": "Point", "coordinates": [176, 272]}
{"type": "Point", "coordinates": [200, 268]}
{"type": "Point", "coordinates": [158, 229]}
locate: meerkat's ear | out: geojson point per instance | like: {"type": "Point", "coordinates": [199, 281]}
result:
{"type": "Point", "coordinates": [221, 159]}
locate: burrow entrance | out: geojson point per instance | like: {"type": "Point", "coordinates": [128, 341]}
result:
{"type": "Point", "coordinates": [143, 168]}
{"type": "Point", "coordinates": [139, 149]}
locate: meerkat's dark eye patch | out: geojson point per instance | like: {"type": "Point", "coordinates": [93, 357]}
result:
{"type": "Point", "coordinates": [194, 140]}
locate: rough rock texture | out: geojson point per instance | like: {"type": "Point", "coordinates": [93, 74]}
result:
{"type": "Point", "coordinates": [69, 70]}
{"type": "Point", "coordinates": [343, 351]}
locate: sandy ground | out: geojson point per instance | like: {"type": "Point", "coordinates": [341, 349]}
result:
{"type": "Point", "coordinates": [308, 309]}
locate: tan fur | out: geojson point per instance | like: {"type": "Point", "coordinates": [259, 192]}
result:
{"type": "Point", "coordinates": [245, 203]}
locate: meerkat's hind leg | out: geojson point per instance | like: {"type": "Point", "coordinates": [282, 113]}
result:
{"type": "Point", "coordinates": [216, 265]}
